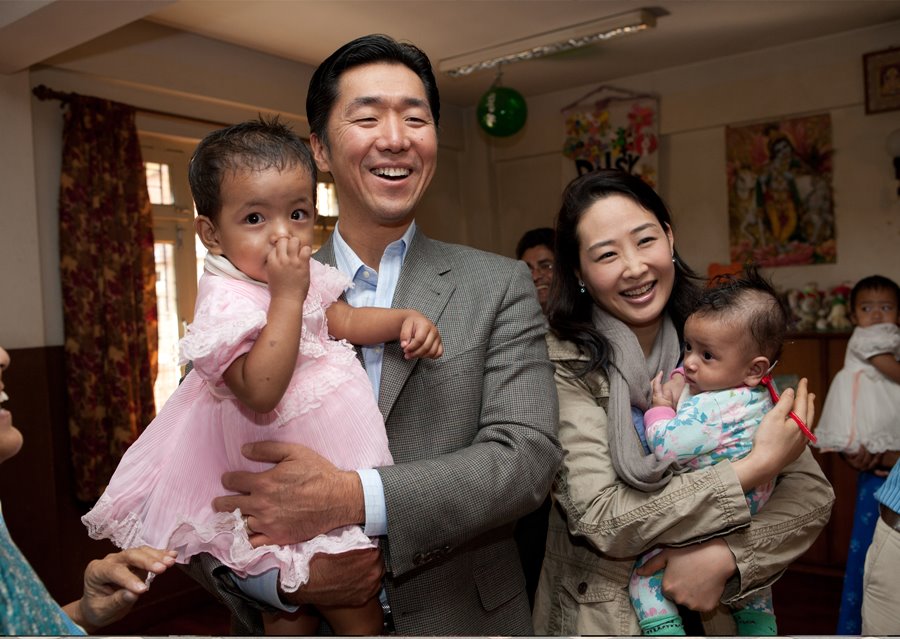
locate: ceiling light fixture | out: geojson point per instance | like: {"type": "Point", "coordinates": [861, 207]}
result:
{"type": "Point", "coordinates": [572, 37]}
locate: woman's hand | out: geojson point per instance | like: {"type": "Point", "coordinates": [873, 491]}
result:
{"type": "Point", "coordinates": [778, 440]}
{"type": "Point", "coordinates": [695, 575]}
{"type": "Point", "coordinates": [113, 584]}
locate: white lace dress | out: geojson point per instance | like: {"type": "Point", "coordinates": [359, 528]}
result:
{"type": "Point", "coordinates": [162, 490]}
{"type": "Point", "coordinates": [862, 407]}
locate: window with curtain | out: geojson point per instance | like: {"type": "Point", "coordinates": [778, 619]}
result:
{"type": "Point", "coordinates": [108, 286]}
{"type": "Point", "coordinates": [179, 253]}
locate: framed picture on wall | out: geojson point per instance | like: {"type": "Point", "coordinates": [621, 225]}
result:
{"type": "Point", "coordinates": [780, 196]}
{"type": "Point", "coordinates": [881, 70]}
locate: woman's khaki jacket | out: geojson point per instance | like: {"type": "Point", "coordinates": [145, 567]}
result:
{"type": "Point", "coordinates": [599, 526]}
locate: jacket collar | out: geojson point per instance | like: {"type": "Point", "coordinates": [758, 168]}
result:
{"type": "Point", "coordinates": [424, 286]}
{"type": "Point", "coordinates": [563, 350]}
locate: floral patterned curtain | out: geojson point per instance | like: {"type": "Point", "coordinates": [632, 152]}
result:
{"type": "Point", "coordinates": [108, 286]}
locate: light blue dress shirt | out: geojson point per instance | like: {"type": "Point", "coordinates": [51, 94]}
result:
{"type": "Point", "coordinates": [372, 288]}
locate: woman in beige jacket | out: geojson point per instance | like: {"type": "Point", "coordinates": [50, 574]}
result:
{"type": "Point", "coordinates": [620, 297]}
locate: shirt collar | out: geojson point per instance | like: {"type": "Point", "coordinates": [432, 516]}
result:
{"type": "Point", "coordinates": [348, 261]}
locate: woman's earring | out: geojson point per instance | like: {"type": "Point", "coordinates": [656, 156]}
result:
{"type": "Point", "coordinates": [674, 261]}
{"type": "Point", "coordinates": [581, 286]}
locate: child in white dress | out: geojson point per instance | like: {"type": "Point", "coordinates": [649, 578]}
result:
{"type": "Point", "coordinates": [862, 408]}
{"type": "Point", "coordinates": [265, 369]}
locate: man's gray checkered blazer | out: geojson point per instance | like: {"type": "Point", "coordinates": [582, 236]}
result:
{"type": "Point", "coordinates": [473, 436]}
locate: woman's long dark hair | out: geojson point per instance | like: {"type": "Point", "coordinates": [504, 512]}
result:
{"type": "Point", "coordinates": [570, 310]}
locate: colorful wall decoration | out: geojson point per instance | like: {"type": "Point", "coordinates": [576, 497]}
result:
{"type": "Point", "coordinates": [780, 206]}
{"type": "Point", "coordinates": [617, 131]}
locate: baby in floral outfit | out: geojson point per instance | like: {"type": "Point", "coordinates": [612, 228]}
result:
{"type": "Point", "coordinates": [709, 411]}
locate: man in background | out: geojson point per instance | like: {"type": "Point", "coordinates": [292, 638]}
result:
{"type": "Point", "coordinates": [536, 250]}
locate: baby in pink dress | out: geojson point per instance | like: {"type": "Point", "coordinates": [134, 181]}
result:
{"type": "Point", "coordinates": [265, 368]}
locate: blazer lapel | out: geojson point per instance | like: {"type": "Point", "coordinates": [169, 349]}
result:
{"type": "Point", "coordinates": [325, 254]}
{"type": "Point", "coordinates": [422, 286]}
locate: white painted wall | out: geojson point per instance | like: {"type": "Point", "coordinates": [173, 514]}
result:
{"type": "Point", "coordinates": [20, 259]}
{"type": "Point", "coordinates": [697, 103]}
{"type": "Point", "coordinates": [486, 191]}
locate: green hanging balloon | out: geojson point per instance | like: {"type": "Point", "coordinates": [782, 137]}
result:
{"type": "Point", "coordinates": [502, 111]}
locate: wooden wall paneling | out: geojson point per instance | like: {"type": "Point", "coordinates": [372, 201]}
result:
{"type": "Point", "coordinates": [28, 481]}
{"type": "Point", "coordinates": [39, 505]}
{"type": "Point", "coordinates": [818, 357]}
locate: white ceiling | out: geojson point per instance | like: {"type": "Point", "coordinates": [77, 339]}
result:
{"type": "Point", "coordinates": [692, 31]}
{"type": "Point", "coordinates": [307, 31]}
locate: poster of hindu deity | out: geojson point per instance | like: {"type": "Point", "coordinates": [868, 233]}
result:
{"type": "Point", "coordinates": [780, 207]}
{"type": "Point", "coordinates": [619, 132]}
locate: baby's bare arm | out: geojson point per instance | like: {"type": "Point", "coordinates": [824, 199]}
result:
{"type": "Point", "coordinates": [887, 365]}
{"type": "Point", "coordinates": [260, 378]}
{"type": "Point", "coordinates": [369, 325]}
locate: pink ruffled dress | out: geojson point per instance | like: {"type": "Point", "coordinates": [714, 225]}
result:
{"type": "Point", "coordinates": [161, 493]}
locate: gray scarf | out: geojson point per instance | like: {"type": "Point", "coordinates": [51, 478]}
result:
{"type": "Point", "coordinates": [629, 385]}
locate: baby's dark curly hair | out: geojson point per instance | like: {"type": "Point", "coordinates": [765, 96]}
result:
{"type": "Point", "coordinates": [260, 144]}
{"type": "Point", "coordinates": [874, 283]}
{"type": "Point", "coordinates": [749, 299]}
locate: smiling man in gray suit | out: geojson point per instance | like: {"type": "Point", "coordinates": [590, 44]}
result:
{"type": "Point", "coordinates": [472, 433]}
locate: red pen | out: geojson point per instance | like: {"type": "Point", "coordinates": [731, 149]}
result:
{"type": "Point", "coordinates": [767, 382]}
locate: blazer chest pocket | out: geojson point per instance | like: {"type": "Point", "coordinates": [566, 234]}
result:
{"type": "Point", "coordinates": [446, 383]}
{"type": "Point", "coordinates": [451, 367]}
